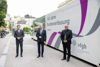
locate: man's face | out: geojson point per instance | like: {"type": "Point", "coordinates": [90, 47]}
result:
{"type": "Point", "coordinates": [41, 27]}
{"type": "Point", "coordinates": [18, 27]}
{"type": "Point", "coordinates": [66, 27]}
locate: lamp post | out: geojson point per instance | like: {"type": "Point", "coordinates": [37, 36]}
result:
{"type": "Point", "coordinates": [33, 30]}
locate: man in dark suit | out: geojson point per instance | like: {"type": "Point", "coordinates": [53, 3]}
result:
{"type": "Point", "coordinates": [66, 37]}
{"type": "Point", "coordinates": [19, 34]}
{"type": "Point", "coordinates": [41, 39]}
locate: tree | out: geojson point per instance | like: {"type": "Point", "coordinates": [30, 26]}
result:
{"type": "Point", "coordinates": [2, 21]}
{"type": "Point", "coordinates": [35, 25]}
{"type": "Point", "coordinates": [26, 29]}
{"type": "Point", "coordinates": [3, 6]}
{"type": "Point", "coordinates": [32, 26]}
{"type": "Point", "coordinates": [3, 11]}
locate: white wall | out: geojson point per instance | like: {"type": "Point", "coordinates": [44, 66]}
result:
{"type": "Point", "coordinates": [86, 47]}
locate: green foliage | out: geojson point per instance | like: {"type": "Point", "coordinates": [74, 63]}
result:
{"type": "Point", "coordinates": [32, 26]}
{"type": "Point", "coordinates": [2, 21]}
{"type": "Point", "coordinates": [3, 11]}
{"type": "Point", "coordinates": [35, 25]}
{"type": "Point", "coordinates": [27, 33]}
{"type": "Point", "coordinates": [3, 31]}
{"type": "Point", "coordinates": [10, 26]}
{"type": "Point", "coordinates": [26, 29]}
{"type": "Point", "coordinates": [41, 19]}
{"type": "Point", "coordinates": [3, 6]}
{"type": "Point", "coordinates": [2, 15]}
{"type": "Point", "coordinates": [31, 30]}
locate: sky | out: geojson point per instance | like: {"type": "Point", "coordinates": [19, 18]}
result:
{"type": "Point", "coordinates": [36, 8]}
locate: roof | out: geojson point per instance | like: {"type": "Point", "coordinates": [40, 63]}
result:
{"type": "Point", "coordinates": [21, 22]}
{"type": "Point", "coordinates": [28, 16]}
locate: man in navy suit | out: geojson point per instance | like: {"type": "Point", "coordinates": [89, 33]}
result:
{"type": "Point", "coordinates": [41, 39]}
{"type": "Point", "coordinates": [19, 34]}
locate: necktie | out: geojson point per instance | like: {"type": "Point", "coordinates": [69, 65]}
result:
{"type": "Point", "coordinates": [65, 37]}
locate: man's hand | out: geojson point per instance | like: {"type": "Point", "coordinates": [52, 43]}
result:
{"type": "Point", "coordinates": [18, 38]}
{"type": "Point", "coordinates": [44, 42]}
{"type": "Point", "coordinates": [40, 37]}
{"type": "Point", "coordinates": [65, 41]}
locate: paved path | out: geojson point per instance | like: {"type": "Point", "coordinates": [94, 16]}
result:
{"type": "Point", "coordinates": [3, 42]}
{"type": "Point", "coordinates": [52, 58]}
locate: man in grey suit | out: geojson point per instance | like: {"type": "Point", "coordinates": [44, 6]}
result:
{"type": "Point", "coordinates": [19, 34]}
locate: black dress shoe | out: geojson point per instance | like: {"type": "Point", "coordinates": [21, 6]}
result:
{"type": "Point", "coordinates": [42, 55]}
{"type": "Point", "coordinates": [21, 55]}
{"type": "Point", "coordinates": [38, 56]}
{"type": "Point", "coordinates": [63, 59]}
{"type": "Point", "coordinates": [16, 56]}
{"type": "Point", "coordinates": [68, 60]}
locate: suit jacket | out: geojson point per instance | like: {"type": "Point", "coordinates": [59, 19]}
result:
{"type": "Point", "coordinates": [21, 35]}
{"type": "Point", "coordinates": [68, 36]}
{"type": "Point", "coordinates": [43, 35]}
